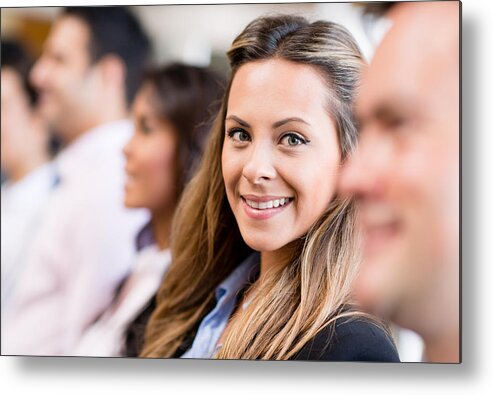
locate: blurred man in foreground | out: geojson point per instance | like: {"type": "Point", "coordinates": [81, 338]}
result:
{"type": "Point", "coordinates": [405, 176]}
{"type": "Point", "coordinates": [86, 78]}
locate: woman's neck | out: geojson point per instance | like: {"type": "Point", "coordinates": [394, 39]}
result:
{"type": "Point", "coordinates": [272, 262]}
{"type": "Point", "coordinates": [161, 226]}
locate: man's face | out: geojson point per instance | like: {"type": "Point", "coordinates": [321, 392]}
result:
{"type": "Point", "coordinates": [67, 83]}
{"type": "Point", "coordinates": [405, 173]}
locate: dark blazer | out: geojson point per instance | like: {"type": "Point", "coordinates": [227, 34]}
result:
{"type": "Point", "coordinates": [352, 339]}
{"type": "Point", "coordinates": [134, 335]}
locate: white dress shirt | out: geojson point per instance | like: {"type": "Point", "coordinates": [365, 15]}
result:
{"type": "Point", "coordinates": [106, 337]}
{"type": "Point", "coordinates": [22, 208]}
{"type": "Point", "coordinates": [409, 344]}
{"type": "Point", "coordinates": [82, 251]}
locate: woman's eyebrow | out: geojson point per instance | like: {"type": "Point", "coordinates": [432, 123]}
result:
{"type": "Point", "coordinates": [287, 120]}
{"type": "Point", "coordinates": [239, 120]}
{"type": "Point", "coordinates": [275, 125]}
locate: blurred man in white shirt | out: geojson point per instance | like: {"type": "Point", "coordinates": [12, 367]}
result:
{"type": "Point", "coordinates": [86, 78]}
{"type": "Point", "coordinates": [26, 160]}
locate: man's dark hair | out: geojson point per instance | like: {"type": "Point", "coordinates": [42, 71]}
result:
{"type": "Point", "coordinates": [377, 8]}
{"type": "Point", "coordinates": [16, 57]}
{"type": "Point", "coordinates": [115, 30]}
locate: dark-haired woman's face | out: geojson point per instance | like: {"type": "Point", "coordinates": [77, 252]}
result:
{"type": "Point", "coordinates": [151, 157]}
{"type": "Point", "coordinates": [281, 155]}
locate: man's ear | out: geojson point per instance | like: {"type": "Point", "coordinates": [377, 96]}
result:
{"type": "Point", "coordinates": [113, 70]}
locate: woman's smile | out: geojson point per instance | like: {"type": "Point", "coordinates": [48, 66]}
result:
{"type": "Point", "coordinates": [264, 207]}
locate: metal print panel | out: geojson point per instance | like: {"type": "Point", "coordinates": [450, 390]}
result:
{"type": "Point", "coordinates": [239, 181]}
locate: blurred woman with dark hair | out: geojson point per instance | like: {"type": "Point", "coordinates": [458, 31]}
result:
{"type": "Point", "coordinates": [171, 112]}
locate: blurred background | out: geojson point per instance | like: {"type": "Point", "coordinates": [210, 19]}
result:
{"type": "Point", "coordinates": [194, 34]}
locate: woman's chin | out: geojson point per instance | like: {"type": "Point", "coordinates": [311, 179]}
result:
{"type": "Point", "coordinates": [130, 202]}
{"type": "Point", "coordinates": [262, 244]}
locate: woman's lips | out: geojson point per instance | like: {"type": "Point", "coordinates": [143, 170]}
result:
{"type": "Point", "coordinates": [130, 181]}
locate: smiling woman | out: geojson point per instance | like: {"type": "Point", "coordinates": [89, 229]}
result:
{"type": "Point", "coordinates": [264, 251]}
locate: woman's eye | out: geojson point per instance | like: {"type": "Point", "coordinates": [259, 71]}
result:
{"type": "Point", "coordinates": [293, 139]}
{"type": "Point", "coordinates": [239, 135]}
{"type": "Point", "coordinates": [144, 128]}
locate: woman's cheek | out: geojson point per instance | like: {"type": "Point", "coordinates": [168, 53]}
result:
{"type": "Point", "coordinates": [162, 168]}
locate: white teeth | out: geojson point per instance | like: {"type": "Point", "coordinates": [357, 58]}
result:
{"type": "Point", "coordinates": [266, 205]}
{"type": "Point", "coordinates": [251, 203]}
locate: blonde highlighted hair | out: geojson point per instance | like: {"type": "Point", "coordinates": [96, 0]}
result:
{"type": "Point", "coordinates": [314, 288]}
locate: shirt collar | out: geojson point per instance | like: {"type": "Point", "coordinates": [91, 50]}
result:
{"type": "Point", "coordinates": [76, 155]}
{"type": "Point", "coordinates": [145, 237]}
{"type": "Point", "coordinates": [246, 272]}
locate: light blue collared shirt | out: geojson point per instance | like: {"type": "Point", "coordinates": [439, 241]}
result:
{"type": "Point", "coordinates": [212, 326]}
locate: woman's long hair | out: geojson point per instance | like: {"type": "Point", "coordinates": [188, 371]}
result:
{"type": "Point", "coordinates": [312, 290]}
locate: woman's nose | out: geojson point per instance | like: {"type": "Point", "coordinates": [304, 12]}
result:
{"type": "Point", "coordinates": [127, 149]}
{"type": "Point", "coordinates": [260, 164]}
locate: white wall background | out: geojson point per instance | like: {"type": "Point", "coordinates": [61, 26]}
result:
{"type": "Point", "coordinates": [192, 33]}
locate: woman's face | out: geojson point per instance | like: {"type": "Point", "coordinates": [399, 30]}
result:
{"type": "Point", "coordinates": [151, 157]}
{"type": "Point", "coordinates": [281, 156]}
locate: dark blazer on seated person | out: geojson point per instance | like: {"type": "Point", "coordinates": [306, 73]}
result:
{"type": "Point", "coordinates": [352, 339]}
